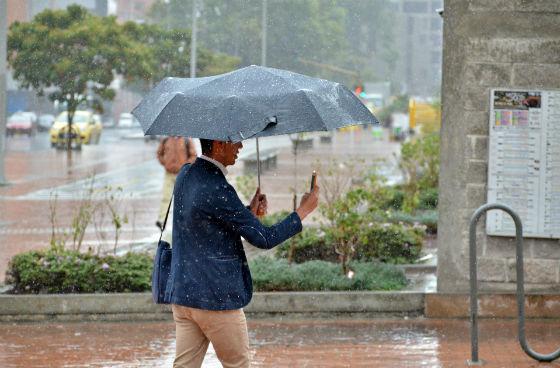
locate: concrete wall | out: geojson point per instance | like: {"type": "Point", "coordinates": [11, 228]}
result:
{"type": "Point", "coordinates": [487, 44]}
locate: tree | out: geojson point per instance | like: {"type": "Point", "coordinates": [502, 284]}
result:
{"type": "Point", "coordinates": [302, 36]}
{"type": "Point", "coordinates": [168, 54]}
{"type": "Point", "coordinates": [72, 55]}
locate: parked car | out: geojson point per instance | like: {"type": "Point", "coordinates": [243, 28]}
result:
{"type": "Point", "coordinates": [45, 122]}
{"type": "Point", "coordinates": [127, 120]}
{"type": "Point", "coordinates": [86, 129]}
{"type": "Point", "coordinates": [108, 122]}
{"type": "Point", "coordinates": [22, 122]}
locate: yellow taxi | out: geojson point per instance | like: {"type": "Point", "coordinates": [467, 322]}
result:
{"type": "Point", "coordinates": [86, 129]}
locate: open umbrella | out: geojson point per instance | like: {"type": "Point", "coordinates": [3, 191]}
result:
{"type": "Point", "coordinates": [248, 103]}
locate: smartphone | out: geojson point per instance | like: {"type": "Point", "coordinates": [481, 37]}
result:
{"type": "Point", "coordinates": [313, 179]}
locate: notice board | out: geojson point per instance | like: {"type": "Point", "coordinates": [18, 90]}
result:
{"type": "Point", "coordinates": [524, 161]}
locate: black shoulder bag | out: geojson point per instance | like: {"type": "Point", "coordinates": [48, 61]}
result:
{"type": "Point", "coordinates": [162, 265]}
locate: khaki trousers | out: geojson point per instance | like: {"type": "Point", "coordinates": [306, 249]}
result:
{"type": "Point", "coordinates": [196, 328]}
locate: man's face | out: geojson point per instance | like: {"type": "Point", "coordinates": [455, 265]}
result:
{"type": "Point", "coordinates": [230, 152]}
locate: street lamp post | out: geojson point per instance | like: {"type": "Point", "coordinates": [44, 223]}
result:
{"type": "Point", "coordinates": [193, 38]}
{"type": "Point", "coordinates": [263, 63]}
{"type": "Point", "coordinates": [263, 39]}
{"type": "Point", "coordinates": [3, 55]}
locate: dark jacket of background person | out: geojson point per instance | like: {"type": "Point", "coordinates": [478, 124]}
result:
{"type": "Point", "coordinates": [209, 269]}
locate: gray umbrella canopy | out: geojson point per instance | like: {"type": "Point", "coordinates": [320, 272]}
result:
{"type": "Point", "coordinates": [248, 103]}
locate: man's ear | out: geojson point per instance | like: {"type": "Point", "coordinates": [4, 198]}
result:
{"type": "Point", "coordinates": [217, 147]}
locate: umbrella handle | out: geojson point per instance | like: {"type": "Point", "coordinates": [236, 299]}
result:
{"type": "Point", "coordinates": [258, 165]}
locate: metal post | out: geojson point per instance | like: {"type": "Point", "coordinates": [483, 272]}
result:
{"type": "Point", "coordinates": [3, 65]}
{"type": "Point", "coordinates": [263, 63]}
{"type": "Point", "coordinates": [263, 38]}
{"type": "Point", "coordinates": [167, 22]}
{"type": "Point", "coordinates": [193, 38]}
{"type": "Point", "coordinates": [520, 285]}
{"type": "Point", "coordinates": [258, 165]}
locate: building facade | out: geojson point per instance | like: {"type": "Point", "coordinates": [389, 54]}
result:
{"type": "Point", "coordinates": [418, 31]}
{"type": "Point", "coordinates": [504, 45]}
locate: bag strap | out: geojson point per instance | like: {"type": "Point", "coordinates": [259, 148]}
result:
{"type": "Point", "coordinates": [167, 213]}
{"type": "Point", "coordinates": [165, 220]}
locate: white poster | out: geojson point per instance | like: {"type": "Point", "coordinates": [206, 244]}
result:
{"type": "Point", "coordinates": [524, 161]}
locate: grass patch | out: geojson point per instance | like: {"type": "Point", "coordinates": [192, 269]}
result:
{"type": "Point", "coordinates": [271, 274]}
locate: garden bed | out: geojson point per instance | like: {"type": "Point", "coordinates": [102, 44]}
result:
{"type": "Point", "coordinates": [64, 271]}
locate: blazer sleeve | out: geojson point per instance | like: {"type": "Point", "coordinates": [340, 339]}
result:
{"type": "Point", "coordinates": [227, 208]}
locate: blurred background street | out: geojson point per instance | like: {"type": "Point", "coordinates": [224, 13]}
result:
{"type": "Point", "coordinates": [124, 159]}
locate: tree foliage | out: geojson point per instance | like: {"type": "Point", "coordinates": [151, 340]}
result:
{"type": "Point", "coordinates": [74, 56]}
{"type": "Point", "coordinates": [71, 55]}
{"type": "Point", "coordinates": [167, 53]}
{"type": "Point", "coordinates": [331, 39]}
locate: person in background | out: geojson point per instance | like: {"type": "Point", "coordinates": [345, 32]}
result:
{"type": "Point", "coordinates": [172, 154]}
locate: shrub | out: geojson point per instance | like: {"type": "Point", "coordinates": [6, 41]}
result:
{"type": "Point", "coordinates": [277, 275]}
{"type": "Point", "coordinates": [391, 243]}
{"type": "Point", "coordinates": [61, 271]}
{"type": "Point", "coordinates": [309, 244]}
{"type": "Point", "coordinates": [428, 218]}
{"type": "Point", "coordinates": [273, 218]}
{"type": "Point", "coordinates": [428, 199]}
{"type": "Point", "coordinates": [65, 271]}
{"type": "Point", "coordinates": [395, 198]}
{"type": "Point", "coordinates": [419, 162]}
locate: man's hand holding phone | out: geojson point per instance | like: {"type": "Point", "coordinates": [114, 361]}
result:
{"type": "Point", "coordinates": [310, 200]}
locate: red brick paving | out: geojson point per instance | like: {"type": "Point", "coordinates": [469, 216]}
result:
{"type": "Point", "coordinates": [348, 343]}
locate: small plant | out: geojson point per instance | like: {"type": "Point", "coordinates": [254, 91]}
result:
{"type": "Point", "coordinates": [419, 163]}
{"type": "Point", "coordinates": [83, 214]}
{"type": "Point", "coordinates": [113, 199]}
{"type": "Point", "coordinates": [57, 240]}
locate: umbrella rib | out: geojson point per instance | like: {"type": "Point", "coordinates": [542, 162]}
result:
{"type": "Point", "coordinates": [163, 109]}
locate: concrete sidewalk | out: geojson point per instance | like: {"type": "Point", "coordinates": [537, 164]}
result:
{"type": "Point", "coordinates": [379, 343]}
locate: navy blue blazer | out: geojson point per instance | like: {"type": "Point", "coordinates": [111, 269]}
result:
{"type": "Point", "coordinates": [209, 268]}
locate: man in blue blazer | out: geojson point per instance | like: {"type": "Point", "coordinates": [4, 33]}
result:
{"type": "Point", "coordinates": [210, 281]}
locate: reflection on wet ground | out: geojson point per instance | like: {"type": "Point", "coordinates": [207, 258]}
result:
{"type": "Point", "coordinates": [348, 343]}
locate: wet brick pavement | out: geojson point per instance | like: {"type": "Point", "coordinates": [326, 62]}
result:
{"type": "Point", "coordinates": [313, 343]}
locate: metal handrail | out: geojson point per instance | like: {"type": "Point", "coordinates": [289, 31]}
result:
{"type": "Point", "coordinates": [520, 285]}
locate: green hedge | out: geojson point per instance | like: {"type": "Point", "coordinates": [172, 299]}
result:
{"type": "Point", "coordinates": [64, 271]}
{"type": "Point", "coordinates": [427, 198]}
{"type": "Point", "coordinates": [271, 274]}
{"type": "Point", "coordinates": [389, 243]}
{"type": "Point", "coordinates": [310, 244]}
{"type": "Point", "coordinates": [428, 218]}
